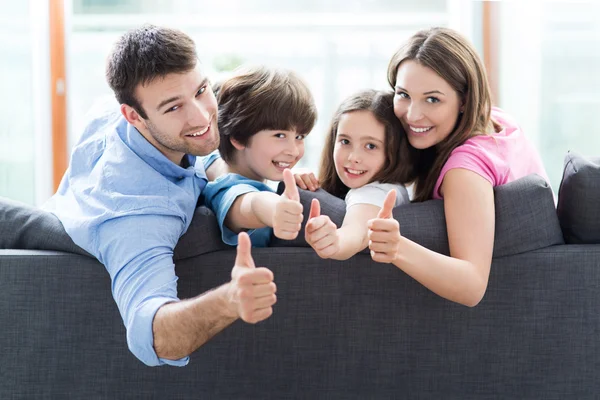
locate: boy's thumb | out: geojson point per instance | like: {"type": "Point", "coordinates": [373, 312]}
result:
{"type": "Point", "coordinates": [291, 190]}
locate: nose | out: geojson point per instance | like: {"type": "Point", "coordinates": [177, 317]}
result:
{"type": "Point", "coordinates": [293, 149]}
{"type": "Point", "coordinates": [200, 115]}
{"type": "Point", "coordinates": [354, 156]}
{"type": "Point", "coordinates": [413, 114]}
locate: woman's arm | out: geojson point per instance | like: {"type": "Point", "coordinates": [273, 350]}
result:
{"type": "Point", "coordinates": [470, 220]}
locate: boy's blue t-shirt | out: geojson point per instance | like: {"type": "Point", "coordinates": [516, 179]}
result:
{"type": "Point", "coordinates": [220, 194]}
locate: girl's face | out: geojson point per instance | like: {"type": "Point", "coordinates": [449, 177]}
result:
{"type": "Point", "coordinates": [359, 152]}
{"type": "Point", "coordinates": [425, 104]}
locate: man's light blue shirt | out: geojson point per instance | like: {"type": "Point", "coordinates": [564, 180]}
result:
{"type": "Point", "coordinates": [125, 203]}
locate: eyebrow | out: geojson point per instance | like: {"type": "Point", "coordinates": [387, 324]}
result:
{"type": "Point", "coordinates": [426, 93]}
{"type": "Point", "coordinates": [371, 138]}
{"type": "Point", "coordinates": [175, 98]}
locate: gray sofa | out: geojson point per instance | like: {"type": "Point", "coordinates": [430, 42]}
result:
{"type": "Point", "coordinates": [348, 330]}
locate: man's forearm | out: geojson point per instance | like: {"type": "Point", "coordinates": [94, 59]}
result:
{"type": "Point", "coordinates": [181, 327]}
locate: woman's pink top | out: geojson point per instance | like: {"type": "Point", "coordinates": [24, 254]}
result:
{"type": "Point", "coordinates": [500, 158]}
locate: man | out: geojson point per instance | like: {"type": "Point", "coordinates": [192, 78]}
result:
{"type": "Point", "coordinates": [131, 190]}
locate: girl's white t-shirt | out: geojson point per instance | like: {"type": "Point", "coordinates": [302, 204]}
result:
{"type": "Point", "coordinates": [374, 193]}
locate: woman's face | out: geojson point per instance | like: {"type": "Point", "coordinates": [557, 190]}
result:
{"type": "Point", "coordinates": [425, 104]}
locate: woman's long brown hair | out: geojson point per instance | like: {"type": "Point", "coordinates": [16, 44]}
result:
{"type": "Point", "coordinates": [397, 167]}
{"type": "Point", "coordinates": [452, 57]}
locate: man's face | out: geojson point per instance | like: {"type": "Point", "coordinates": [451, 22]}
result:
{"type": "Point", "coordinates": [181, 112]}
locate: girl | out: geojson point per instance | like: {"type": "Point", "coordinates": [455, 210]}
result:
{"type": "Point", "coordinates": [360, 162]}
{"type": "Point", "coordinates": [461, 147]}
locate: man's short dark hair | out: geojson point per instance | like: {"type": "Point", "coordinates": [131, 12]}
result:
{"type": "Point", "coordinates": [260, 98]}
{"type": "Point", "coordinates": [144, 54]}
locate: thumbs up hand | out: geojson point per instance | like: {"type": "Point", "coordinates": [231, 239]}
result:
{"type": "Point", "coordinates": [251, 292]}
{"type": "Point", "coordinates": [321, 233]}
{"type": "Point", "coordinates": [384, 232]}
{"type": "Point", "coordinates": [287, 218]}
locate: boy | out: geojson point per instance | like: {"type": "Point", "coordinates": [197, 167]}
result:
{"type": "Point", "coordinates": [264, 116]}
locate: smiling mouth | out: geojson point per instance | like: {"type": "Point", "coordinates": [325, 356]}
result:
{"type": "Point", "coordinates": [420, 130]}
{"type": "Point", "coordinates": [355, 171]}
{"type": "Point", "coordinates": [199, 133]}
{"type": "Point", "coordinates": [280, 164]}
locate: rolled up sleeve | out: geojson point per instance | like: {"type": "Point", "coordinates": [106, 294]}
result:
{"type": "Point", "coordinates": [137, 251]}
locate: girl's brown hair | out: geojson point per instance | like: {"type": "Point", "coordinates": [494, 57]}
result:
{"type": "Point", "coordinates": [452, 57]}
{"type": "Point", "coordinates": [396, 168]}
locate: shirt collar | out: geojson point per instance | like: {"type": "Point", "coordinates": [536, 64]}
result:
{"type": "Point", "coordinates": [153, 157]}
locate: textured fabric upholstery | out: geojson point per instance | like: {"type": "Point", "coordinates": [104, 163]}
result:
{"type": "Point", "coordinates": [525, 218]}
{"type": "Point", "coordinates": [579, 199]}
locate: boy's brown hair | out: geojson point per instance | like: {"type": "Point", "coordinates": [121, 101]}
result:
{"type": "Point", "coordinates": [260, 98]}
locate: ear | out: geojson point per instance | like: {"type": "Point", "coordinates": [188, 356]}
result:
{"type": "Point", "coordinates": [236, 144]}
{"type": "Point", "coordinates": [132, 116]}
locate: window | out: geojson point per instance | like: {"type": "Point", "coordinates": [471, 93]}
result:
{"type": "Point", "coordinates": [548, 76]}
{"type": "Point", "coordinates": [338, 46]}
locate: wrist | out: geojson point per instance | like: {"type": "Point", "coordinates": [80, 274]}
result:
{"type": "Point", "coordinates": [401, 251]}
{"type": "Point", "coordinates": [228, 304]}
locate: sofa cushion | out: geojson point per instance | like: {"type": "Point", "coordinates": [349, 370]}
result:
{"type": "Point", "coordinates": [525, 218]}
{"type": "Point", "coordinates": [203, 236]}
{"type": "Point", "coordinates": [29, 228]}
{"type": "Point", "coordinates": [25, 227]}
{"type": "Point", "coordinates": [579, 199]}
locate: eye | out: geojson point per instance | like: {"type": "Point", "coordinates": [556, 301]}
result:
{"type": "Point", "coordinates": [370, 146]}
{"type": "Point", "coordinates": [300, 137]}
{"type": "Point", "coordinates": [280, 135]}
{"type": "Point", "coordinates": [174, 108]}
{"type": "Point", "coordinates": [433, 100]}
{"type": "Point", "coordinates": [402, 95]}
{"type": "Point", "coordinates": [344, 141]}
{"type": "Point", "coordinates": [201, 90]}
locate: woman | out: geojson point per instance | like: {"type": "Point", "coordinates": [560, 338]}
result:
{"type": "Point", "coordinates": [461, 148]}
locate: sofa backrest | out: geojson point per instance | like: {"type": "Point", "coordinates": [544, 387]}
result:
{"type": "Point", "coordinates": [25, 227]}
{"type": "Point", "coordinates": [525, 218]}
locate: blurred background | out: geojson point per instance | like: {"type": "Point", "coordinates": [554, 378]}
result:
{"type": "Point", "coordinates": [539, 54]}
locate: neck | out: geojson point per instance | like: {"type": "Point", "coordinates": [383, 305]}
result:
{"type": "Point", "coordinates": [238, 167]}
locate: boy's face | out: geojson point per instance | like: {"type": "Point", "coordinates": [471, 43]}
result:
{"type": "Point", "coordinates": [181, 112]}
{"type": "Point", "coordinates": [268, 153]}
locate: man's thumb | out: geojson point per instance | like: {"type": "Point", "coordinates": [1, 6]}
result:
{"type": "Point", "coordinates": [243, 256]}
{"type": "Point", "coordinates": [388, 205]}
{"type": "Point", "coordinates": [315, 209]}
{"type": "Point", "coordinates": [291, 190]}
